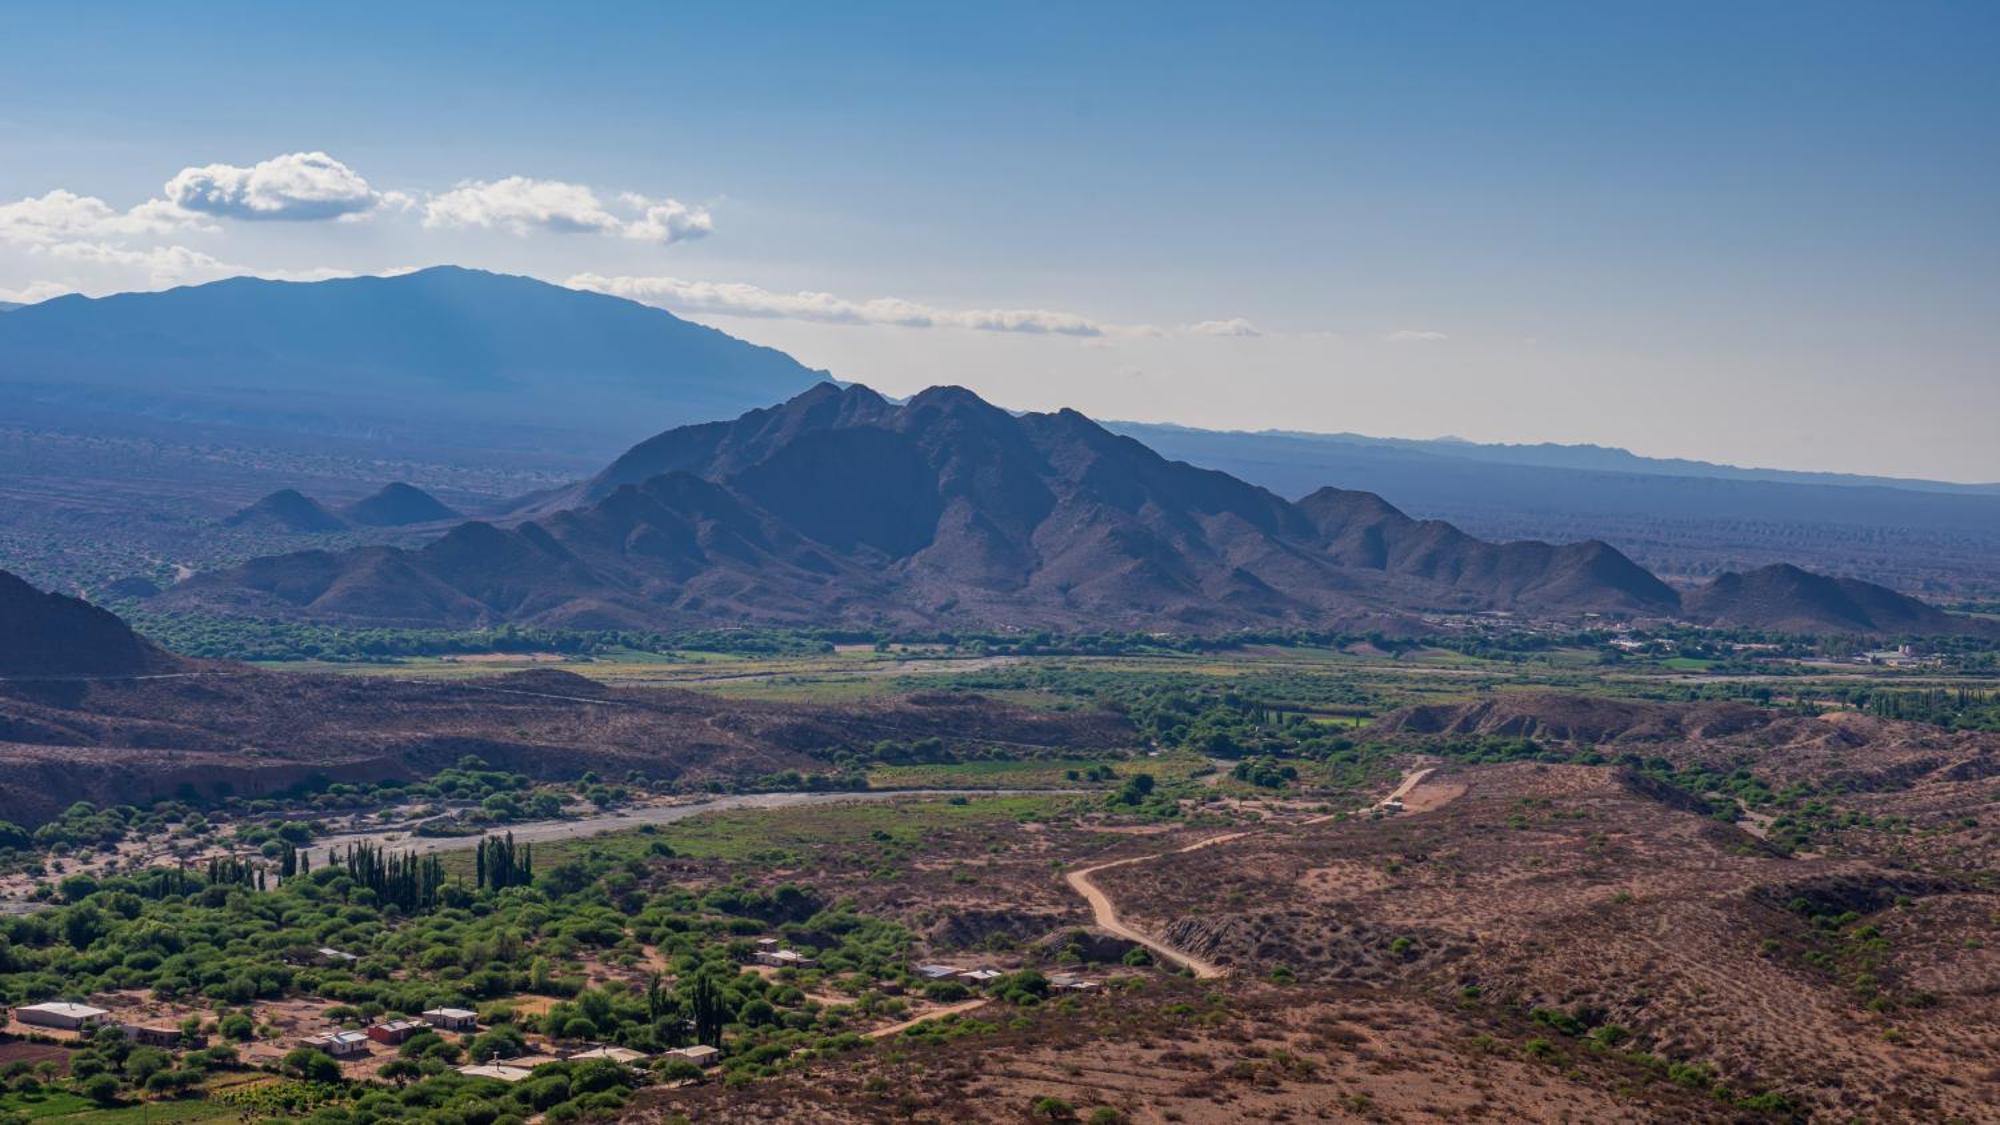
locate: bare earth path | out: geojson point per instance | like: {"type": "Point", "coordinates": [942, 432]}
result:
{"type": "Point", "coordinates": [899, 1028]}
{"type": "Point", "coordinates": [1105, 914]}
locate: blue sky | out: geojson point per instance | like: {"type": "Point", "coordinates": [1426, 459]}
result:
{"type": "Point", "coordinates": [1760, 233]}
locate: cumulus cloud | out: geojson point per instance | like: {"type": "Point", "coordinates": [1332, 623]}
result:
{"type": "Point", "coordinates": [295, 187]}
{"type": "Point", "coordinates": [738, 299]}
{"type": "Point", "coordinates": [664, 220]}
{"type": "Point", "coordinates": [522, 205]}
{"type": "Point", "coordinates": [1415, 336]}
{"type": "Point", "coordinates": [1234, 326]}
{"type": "Point", "coordinates": [64, 216]}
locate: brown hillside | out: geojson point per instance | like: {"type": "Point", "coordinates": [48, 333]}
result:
{"type": "Point", "coordinates": [250, 733]}
{"type": "Point", "coordinates": [56, 635]}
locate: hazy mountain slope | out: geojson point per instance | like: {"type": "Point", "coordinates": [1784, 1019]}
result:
{"type": "Point", "coordinates": [1789, 599]}
{"type": "Point", "coordinates": [397, 505]}
{"type": "Point", "coordinates": [1548, 455]}
{"type": "Point", "coordinates": [838, 506]}
{"type": "Point", "coordinates": [435, 351]}
{"type": "Point", "coordinates": [1916, 536]}
{"type": "Point", "coordinates": [54, 635]}
{"type": "Point", "coordinates": [1363, 530]}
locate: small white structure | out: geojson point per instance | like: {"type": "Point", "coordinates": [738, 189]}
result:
{"type": "Point", "coordinates": [625, 1055]}
{"type": "Point", "coordinates": [62, 1015]}
{"type": "Point", "coordinates": [328, 955]}
{"type": "Point", "coordinates": [701, 1054]}
{"type": "Point", "coordinates": [981, 976]}
{"type": "Point", "coordinates": [497, 1071]}
{"type": "Point", "coordinates": [784, 959]}
{"type": "Point", "coordinates": [452, 1019]}
{"type": "Point", "coordinates": [340, 1044]}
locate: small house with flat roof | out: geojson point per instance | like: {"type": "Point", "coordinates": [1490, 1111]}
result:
{"type": "Point", "coordinates": [701, 1054]}
{"type": "Point", "coordinates": [452, 1019]}
{"type": "Point", "coordinates": [62, 1015]}
{"type": "Point", "coordinates": [340, 1044]}
{"type": "Point", "coordinates": [393, 1032]}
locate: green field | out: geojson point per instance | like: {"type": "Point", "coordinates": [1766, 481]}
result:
{"type": "Point", "coordinates": [1030, 773]}
{"type": "Point", "coordinates": [791, 836]}
{"type": "Point", "coordinates": [71, 1109]}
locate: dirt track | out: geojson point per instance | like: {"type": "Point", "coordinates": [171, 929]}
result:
{"type": "Point", "coordinates": [899, 1028]}
{"type": "Point", "coordinates": [1105, 914]}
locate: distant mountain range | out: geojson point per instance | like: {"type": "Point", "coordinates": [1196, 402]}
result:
{"type": "Point", "coordinates": [1546, 455]}
{"type": "Point", "coordinates": [288, 511]}
{"type": "Point", "coordinates": [1682, 518]}
{"type": "Point", "coordinates": [841, 507]}
{"type": "Point", "coordinates": [418, 356]}
{"type": "Point", "coordinates": [483, 369]}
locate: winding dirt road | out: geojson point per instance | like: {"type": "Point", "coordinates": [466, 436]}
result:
{"type": "Point", "coordinates": [1105, 914]}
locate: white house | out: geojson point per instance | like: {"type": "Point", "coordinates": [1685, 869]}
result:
{"type": "Point", "coordinates": [785, 959]}
{"type": "Point", "coordinates": [452, 1019]}
{"type": "Point", "coordinates": [63, 1015]}
{"type": "Point", "coordinates": [701, 1054]}
{"type": "Point", "coordinates": [340, 1044]}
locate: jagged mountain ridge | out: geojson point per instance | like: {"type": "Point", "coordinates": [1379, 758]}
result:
{"type": "Point", "coordinates": [839, 506]}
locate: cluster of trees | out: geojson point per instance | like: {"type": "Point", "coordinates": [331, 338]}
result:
{"type": "Point", "coordinates": [1265, 772]}
{"type": "Point", "coordinates": [229, 944]}
{"type": "Point", "coordinates": [1952, 708]}
{"type": "Point", "coordinates": [500, 864]}
{"type": "Point", "coordinates": [407, 881]}
{"type": "Point", "coordinates": [110, 1068]}
{"type": "Point", "coordinates": [237, 638]}
{"type": "Point", "coordinates": [425, 1088]}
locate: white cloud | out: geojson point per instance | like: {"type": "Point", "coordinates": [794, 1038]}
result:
{"type": "Point", "coordinates": [64, 216]}
{"type": "Point", "coordinates": [738, 299]}
{"type": "Point", "coordinates": [298, 187]}
{"type": "Point", "coordinates": [1234, 326]}
{"type": "Point", "coordinates": [1415, 336]}
{"type": "Point", "coordinates": [161, 265]}
{"type": "Point", "coordinates": [522, 204]}
{"type": "Point", "coordinates": [34, 291]}
{"type": "Point", "coordinates": [665, 220]}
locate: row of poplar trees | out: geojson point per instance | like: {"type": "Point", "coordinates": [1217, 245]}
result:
{"type": "Point", "coordinates": [502, 864]}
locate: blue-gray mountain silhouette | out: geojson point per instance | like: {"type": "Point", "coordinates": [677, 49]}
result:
{"type": "Point", "coordinates": [425, 353]}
